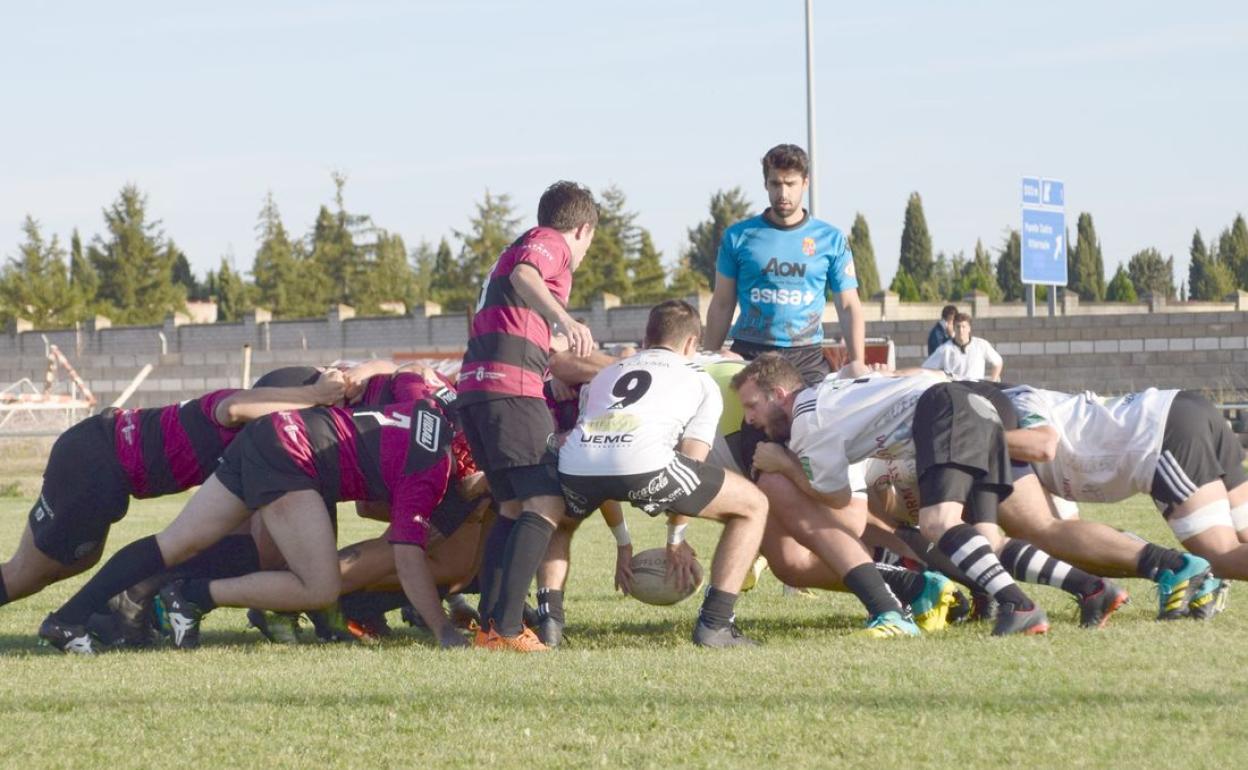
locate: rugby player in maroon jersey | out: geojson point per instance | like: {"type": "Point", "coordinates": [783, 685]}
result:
{"type": "Point", "coordinates": [501, 404]}
{"type": "Point", "coordinates": [290, 468]}
{"type": "Point", "coordinates": [97, 465]}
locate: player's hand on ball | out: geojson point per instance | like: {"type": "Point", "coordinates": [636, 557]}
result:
{"type": "Point", "coordinates": [624, 569]}
{"type": "Point", "coordinates": [682, 565]}
{"type": "Point", "coordinates": [771, 457]}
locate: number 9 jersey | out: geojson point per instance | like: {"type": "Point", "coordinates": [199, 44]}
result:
{"type": "Point", "coordinates": [635, 411]}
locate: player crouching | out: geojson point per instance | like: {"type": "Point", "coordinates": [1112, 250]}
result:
{"type": "Point", "coordinates": [645, 429]}
{"type": "Point", "coordinates": [290, 468]}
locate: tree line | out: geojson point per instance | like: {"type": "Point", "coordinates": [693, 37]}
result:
{"type": "Point", "coordinates": [133, 273]}
{"type": "Point", "coordinates": [1214, 272]}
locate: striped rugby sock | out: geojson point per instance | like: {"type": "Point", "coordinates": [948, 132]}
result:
{"type": "Point", "coordinates": [972, 554]}
{"type": "Point", "coordinates": [1031, 565]}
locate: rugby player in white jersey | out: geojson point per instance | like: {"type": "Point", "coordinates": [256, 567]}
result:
{"type": "Point", "coordinates": [808, 545]}
{"type": "Point", "coordinates": [953, 430]}
{"type": "Point", "coordinates": [1171, 445]}
{"type": "Point", "coordinates": [646, 425]}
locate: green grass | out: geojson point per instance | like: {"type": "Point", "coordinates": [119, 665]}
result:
{"type": "Point", "coordinates": [629, 690]}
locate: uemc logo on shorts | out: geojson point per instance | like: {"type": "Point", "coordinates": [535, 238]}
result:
{"type": "Point", "coordinates": [428, 431]}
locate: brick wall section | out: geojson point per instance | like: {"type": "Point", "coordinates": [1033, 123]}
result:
{"type": "Point", "coordinates": [1206, 349]}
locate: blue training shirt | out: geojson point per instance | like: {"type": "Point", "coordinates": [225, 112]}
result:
{"type": "Point", "coordinates": [783, 275]}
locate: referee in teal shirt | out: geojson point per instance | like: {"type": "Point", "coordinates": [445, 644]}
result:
{"type": "Point", "coordinates": [778, 267]}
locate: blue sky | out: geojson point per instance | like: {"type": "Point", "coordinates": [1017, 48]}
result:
{"type": "Point", "coordinates": [1139, 107]}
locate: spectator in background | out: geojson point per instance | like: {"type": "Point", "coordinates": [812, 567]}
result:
{"type": "Point", "coordinates": [942, 332]}
{"type": "Point", "coordinates": [966, 357]}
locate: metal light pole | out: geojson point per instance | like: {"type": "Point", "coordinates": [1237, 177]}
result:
{"type": "Point", "coordinates": [810, 99]}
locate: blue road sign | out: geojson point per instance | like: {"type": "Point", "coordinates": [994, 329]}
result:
{"type": "Point", "coordinates": [1044, 232]}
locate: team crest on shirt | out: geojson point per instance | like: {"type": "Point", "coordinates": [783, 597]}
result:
{"type": "Point", "coordinates": [849, 269]}
{"type": "Point", "coordinates": [808, 246]}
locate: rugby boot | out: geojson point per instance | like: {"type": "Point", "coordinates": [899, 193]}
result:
{"type": "Point", "coordinates": [550, 631]}
{"type": "Point", "coordinates": [983, 607]}
{"type": "Point", "coordinates": [525, 641]}
{"type": "Point", "coordinates": [69, 639]}
{"type": "Point", "coordinates": [134, 619]}
{"type": "Point", "coordinates": [888, 625]}
{"type": "Point", "coordinates": [1012, 620]}
{"type": "Point", "coordinates": [728, 636]}
{"type": "Point", "coordinates": [463, 615]}
{"type": "Point", "coordinates": [1210, 599]}
{"type": "Point", "coordinates": [183, 616]}
{"type": "Point", "coordinates": [756, 571]}
{"type": "Point", "coordinates": [932, 607]}
{"type": "Point", "coordinates": [1096, 607]}
{"type": "Point", "coordinates": [1176, 589]}
{"type": "Point", "coordinates": [277, 627]}
{"type": "Point", "coordinates": [330, 625]}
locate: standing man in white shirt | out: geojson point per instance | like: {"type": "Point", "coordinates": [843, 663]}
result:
{"type": "Point", "coordinates": [966, 357]}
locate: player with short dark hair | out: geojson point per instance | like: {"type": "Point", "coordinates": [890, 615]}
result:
{"type": "Point", "coordinates": [97, 465]}
{"type": "Point", "coordinates": [778, 268]}
{"type": "Point", "coordinates": [290, 468]}
{"type": "Point", "coordinates": [643, 435]}
{"type": "Point", "coordinates": [501, 403]}
{"type": "Point", "coordinates": [954, 430]}
{"type": "Point", "coordinates": [965, 356]}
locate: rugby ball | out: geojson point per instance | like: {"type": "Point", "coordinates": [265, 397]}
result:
{"type": "Point", "coordinates": [650, 581]}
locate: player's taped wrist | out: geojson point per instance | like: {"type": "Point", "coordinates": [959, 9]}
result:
{"type": "Point", "coordinates": [676, 533]}
{"type": "Point", "coordinates": [621, 534]}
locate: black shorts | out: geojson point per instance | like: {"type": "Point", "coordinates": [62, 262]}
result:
{"type": "Point", "coordinates": [1197, 448]}
{"type": "Point", "coordinates": [257, 470]}
{"type": "Point", "coordinates": [84, 492]}
{"type": "Point", "coordinates": [453, 510]}
{"type": "Point", "coordinates": [807, 359]}
{"type": "Point", "coordinates": [959, 442]}
{"type": "Point", "coordinates": [685, 486]}
{"type": "Point", "coordinates": [510, 441]}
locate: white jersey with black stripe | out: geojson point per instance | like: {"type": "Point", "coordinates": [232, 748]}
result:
{"type": "Point", "coordinates": [839, 422]}
{"type": "Point", "coordinates": [635, 411]}
{"type": "Point", "coordinates": [1107, 448]}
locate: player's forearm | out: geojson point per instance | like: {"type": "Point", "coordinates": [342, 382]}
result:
{"type": "Point", "coordinates": [528, 283]}
{"type": "Point", "coordinates": [574, 369]}
{"type": "Point", "coordinates": [417, 580]}
{"type": "Point", "coordinates": [718, 317]}
{"type": "Point", "coordinates": [853, 323]}
{"type": "Point", "coordinates": [694, 449]}
{"type": "Point", "coordinates": [247, 405]}
{"type": "Point", "coordinates": [1032, 445]}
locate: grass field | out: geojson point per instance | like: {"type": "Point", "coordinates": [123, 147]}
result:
{"type": "Point", "coordinates": [629, 690]}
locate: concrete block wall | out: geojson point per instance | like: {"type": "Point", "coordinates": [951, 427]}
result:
{"type": "Point", "coordinates": [1201, 347]}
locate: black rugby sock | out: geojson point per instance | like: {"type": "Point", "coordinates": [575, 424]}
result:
{"type": "Point", "coordinates": [550, 603]}
{"type": "Point", "coordinates": [370, 604]}
{"type": "Point", "coordinates": [717, 608]}
{"type": "Point", "coordinates": [973, 555]}
{"type": "Point", "coordinates": [906, 584]}
{"type": "Point", "coordinates": [1031, 565]}
{"type": "Point", "coordinates": [231, 556]}
{"type": "Point", "coordinates": [4, 592]}
{"type": "Point", "coordinates": [1154, 559]}
{"type": "Point", "coordinates": [133, 563]}
{"type": "Point", "coordinates": [491, 572]}
{"type": "Point", "coordinates": [196, 592]}
{"type": "Point", "coordinates": [932, 556]}
{"type": "Point", "coordinates": [525, 550]}
{"type": "Point", "coordinates": [868, 585]}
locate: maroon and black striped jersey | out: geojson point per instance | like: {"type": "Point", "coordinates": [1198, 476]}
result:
{"type": "Point", "coordinates": [171, 448]}
{"type": "Point", "coordinates": [509, 342]}
{"type": "Point", "coordinates": [397, 453]}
